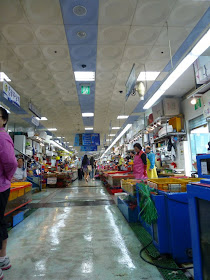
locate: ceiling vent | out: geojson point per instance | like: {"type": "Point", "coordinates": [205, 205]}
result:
{"type": "Point", "coordinates": [79, 11]}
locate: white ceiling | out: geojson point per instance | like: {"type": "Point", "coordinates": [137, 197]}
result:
{"type": "Point", "coordinates": [34, 53]}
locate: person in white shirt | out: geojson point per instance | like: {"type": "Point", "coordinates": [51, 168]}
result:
{"type": "Point", "coordinates": [20, 173]}
{"type": "Point", "coordinates": [79, 168]}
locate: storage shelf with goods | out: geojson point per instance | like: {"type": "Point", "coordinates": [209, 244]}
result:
{"type": "Point", "coordinates": [168, 135]}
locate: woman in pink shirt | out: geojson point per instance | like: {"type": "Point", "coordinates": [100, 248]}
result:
{"type": "Point", "coordinates": [8, 165]}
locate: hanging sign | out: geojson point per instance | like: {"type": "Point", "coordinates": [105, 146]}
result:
{"type": "Point", "coordinates": [198, 104]}
{"type": "Point", "coordinates": [10, 94]}
{"type": "Point", "coordinates": [52, 181]}
{"type": "Point", "coordinates": [87, 139]}
{"type": "Point", "coordinates": [85, 90]}
{"type": "Point", "coordinates": [130, 84]}
{"type": "Point", "coordinates": [34, 110]}
{"type": "Point", "coordinates": [35, 121]}
{"type": "Point", "coordinates": [91, 148]}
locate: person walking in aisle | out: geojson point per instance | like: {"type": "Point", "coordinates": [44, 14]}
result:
{"type": "Point", "coordinates": [151, 169]}
{"type": "Point", "coordinates": [85, 165]}
{"type": "Point", "coordinates": [79, 168]}
{"type": "Point", "coordinates": [8, 165]}
{"type": "Point", "coordinates": [140, 163]}
{"type": "Point", "coordinates": [92, 163]}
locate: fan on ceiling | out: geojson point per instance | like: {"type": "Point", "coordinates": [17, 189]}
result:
{"type": "Point", "coordinates": [139, 89]}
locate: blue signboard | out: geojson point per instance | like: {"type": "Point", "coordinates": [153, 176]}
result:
{"type": "Point", "coordinates": [95, 139]}
{"type": "Point", "coordinates": [91, 148]}
{"type": "Point", "coordinates": [78, 140]}
{"type": "Point", "coordinates": [87, 139]}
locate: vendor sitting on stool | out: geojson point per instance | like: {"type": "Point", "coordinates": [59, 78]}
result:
{"type": "Point", "coordinates": [151, 169]}
{"type": "Point", "coordinates": [20, 173]}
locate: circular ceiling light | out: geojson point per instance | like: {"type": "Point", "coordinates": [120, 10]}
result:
{"type": "Point", "coordinates": [81, 34]}
{"type": "Point", "coordinates": [193, 101]}
{"type": "Point", "coordinates": [79, 11]}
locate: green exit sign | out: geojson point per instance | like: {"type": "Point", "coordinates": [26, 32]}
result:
{"type": "Point", "coordinates": [85, 90]}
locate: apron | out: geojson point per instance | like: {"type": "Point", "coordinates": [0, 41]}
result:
{"type": "Point", "coordinates": [153, 173]}
{"type": "Point", "coordinates": [138, 167]}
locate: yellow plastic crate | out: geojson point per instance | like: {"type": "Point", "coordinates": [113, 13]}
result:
{"type": "Point", "coordinates": [13, 195]}
{"type": "Point", "coordinates": [21, 192]}
{"type": "Point", "coordinates": [176, 123]}
{"type": "Point", "coordinates": [28, 189]}
{"type": "Point", "coordinates": [163, 183]}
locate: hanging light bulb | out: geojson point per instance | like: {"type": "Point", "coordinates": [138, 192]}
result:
{"type": "Point", "coordinates": [193, 101]}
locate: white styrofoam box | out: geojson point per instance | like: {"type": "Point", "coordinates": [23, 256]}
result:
{"type": "Point", "coordinates": [20, 143]}
{"type": "Point", "coordinates": [29, 152]}
{"type": "Point", "coordinates": [30, 133]}
{"type": "Point", "coordinates": [165, 130]}
{"type": "Point", "coordinates": [171, 106]}
{"type": "Point", "coordinates": [116, 195]}
{"type": "Point", "coordinates": [49, 153]}
{"type": "Point", "coordinates": [157, 110]}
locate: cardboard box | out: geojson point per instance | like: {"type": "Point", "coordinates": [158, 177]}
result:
{"type": "Point", "coordinates": [157, 110]}
{"type": "Point", "coordinates": [166, 107]}
{"type": "Point", "coordinates": [171, 106]}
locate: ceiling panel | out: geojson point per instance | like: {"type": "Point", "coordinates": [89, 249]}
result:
{"type": "Point", "coordinates": [117, 12]}
{"type": "Point", "coordinates": [44, 12]}
{"type": "Point", "coordinates": [112, 34]}
{"type": "Point", "coordinates": [143, 35]}
{"type": "Point", "coordinates": [153, 12]}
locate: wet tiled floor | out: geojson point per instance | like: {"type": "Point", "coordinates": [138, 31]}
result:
{"type": "Point", "coordinates": [76, 242]}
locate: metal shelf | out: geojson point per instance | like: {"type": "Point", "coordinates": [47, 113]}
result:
{"type": "Point", "coordinates": [169, 135]}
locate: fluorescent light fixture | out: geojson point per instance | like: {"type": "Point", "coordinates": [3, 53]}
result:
{"type": "Point", "coordinates": [115, 127]}
{"type": "Point", "coordinates": [128, 126]}
{"type": "Point", "coordinates": [202, 45]}
{"type": "Point", "coordinates": [88, 114]}
{"type": "Point", "coordinates": [57, 145]}
{"type": "Point", "coordinates": [148, 76]}
{"type": "Point", "coordinates": [4, 77]}
{"type": "Point", "coordinates": [199, 48]}
{"type": "Point", "coordinates": [155, 97]}
{"type": "Point", "coordinates": [108, 140]}
{"type": "Point", "coordinates": [5, 108]}
{"type": "Point", "coordinates": [122, 117]}
{"type": "Point", "coordinates": [59, 137]}
{"type": "Point", "coordinates": [67, 142]}
{"type": "Point", "coordinates": [52, 129]}
{"type": "Point", "coordinates": [42, 119]}
{"type": "Point", "coordinates": [84, 76]}
{"type": "Point", "coordinates": [111, 135]}
{"type": "Point", "coordinates": [180, 69]}
{"type": "Point", "coordinates": [70, 146]}
{"type": "Point", "coordinates": [9, 130]}
{"type": "Point", "coordinates": [88, 128]}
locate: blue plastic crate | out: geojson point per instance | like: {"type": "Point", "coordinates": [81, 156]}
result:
{"type": "Point", "coordinates": [171, 233]}
{"type": "Point", "coordinates": [17, 218]}
{"type": "Point", "coordinates": [131, 215]}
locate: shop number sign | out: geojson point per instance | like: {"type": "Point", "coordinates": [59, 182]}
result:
{"type": "Point", "coordinates": [85, 90]}
{"type": "Point", "coordinates": [10, 94]}
{"type": "Point", "coordinates": [51, 181]}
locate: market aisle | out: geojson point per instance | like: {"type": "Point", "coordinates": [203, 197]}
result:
{"type": "Point", "coordinates": [89, 239]}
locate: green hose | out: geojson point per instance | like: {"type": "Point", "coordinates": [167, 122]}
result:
{"type": "Point", "coordinates": [148, 211]}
